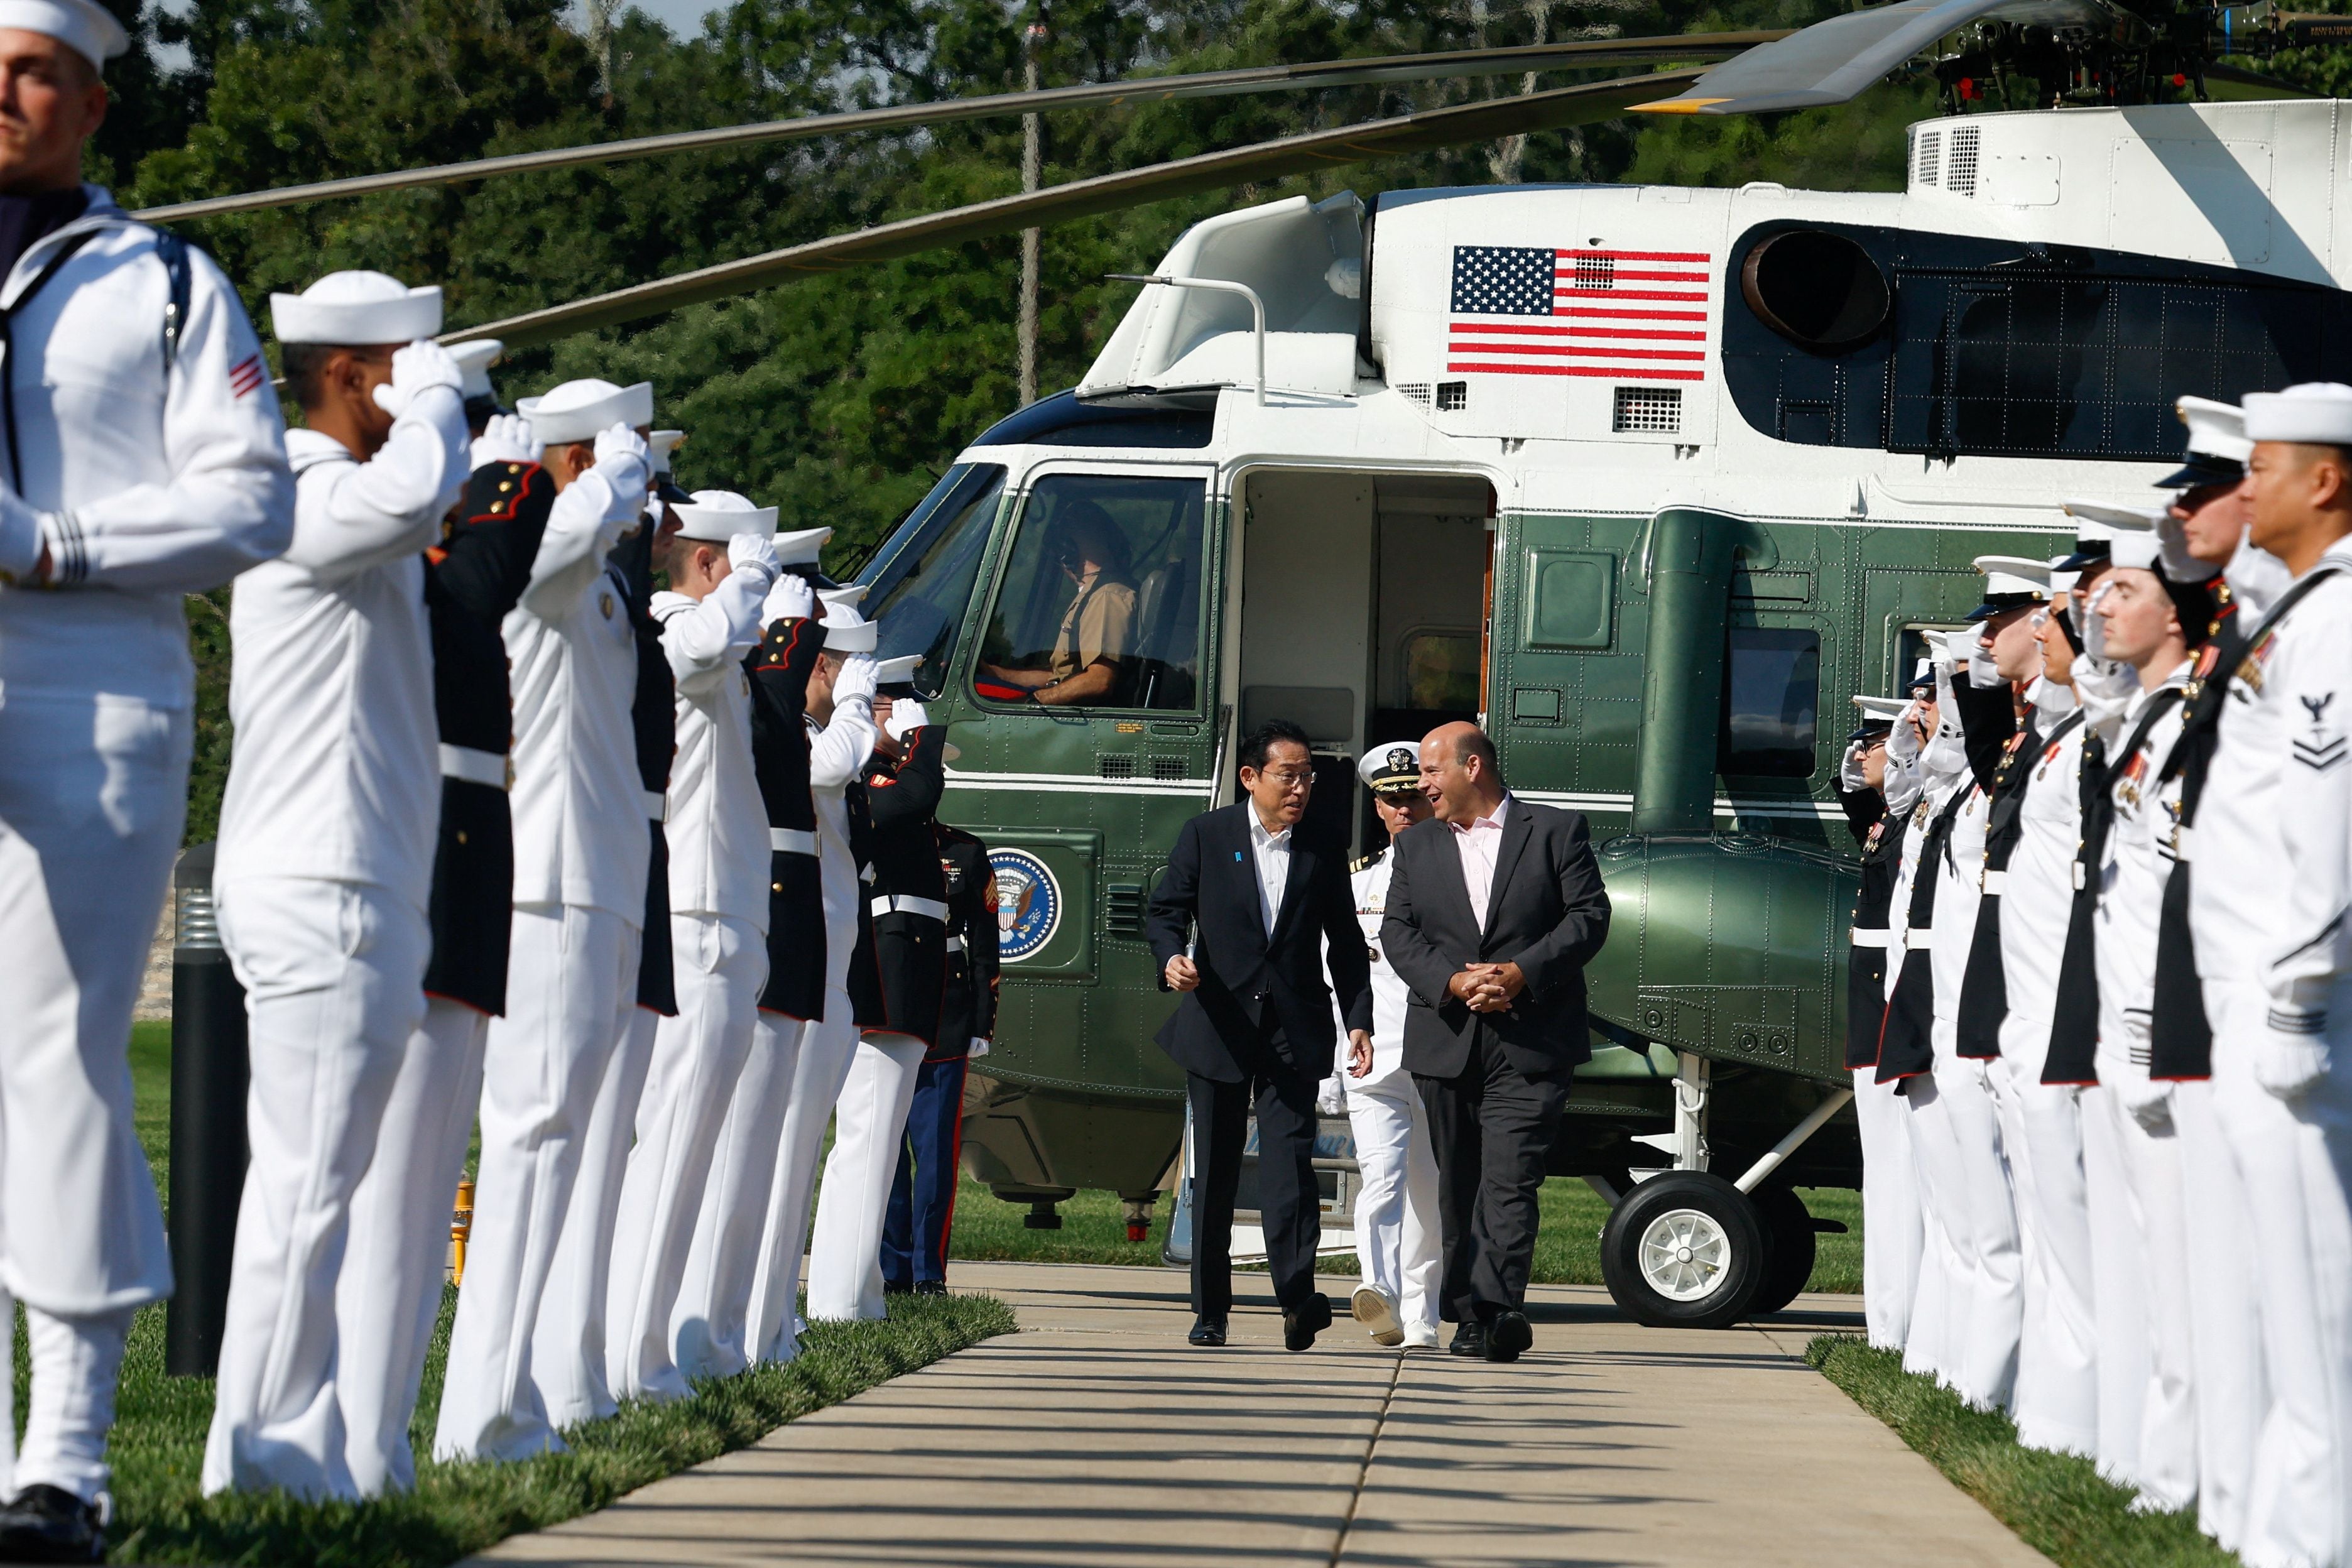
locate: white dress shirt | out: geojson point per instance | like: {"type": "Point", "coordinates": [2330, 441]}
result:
{"type": "Point", "coordinates": [1479, 842]}
{"type": "Point", "coordinates": [1272, 853]}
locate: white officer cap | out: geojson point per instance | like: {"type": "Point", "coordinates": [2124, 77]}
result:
{"type": "Point", "coordinates": [715, 517]}
{"type": "Point", "coordinates": [801, 546]}
{"type": "Point", "coordinates": [2218, 445]}
{"type": "Point", "coordinates": [581, 410]}
{"type": "Point", "coordinates": [661, 444]}
{"type": "Point", "coordinates": [88, 30]}
{"type": "Point", "coordinates": [2314, 411]}
{"type": "Point", "coordinates": [353, 308]}
{"type": "Point", "coordinates": [475, 356]}
{"type": "Point", "coordinates": [847, 631]}
{"type": "Point", "coordinates": [896, 671]}
{"type": "Point", "coordinates": [1880, 709]}
{"type": "Point", "coordinates": [2010, 583]}
{"type": "Point", "coordinates": [1395, 766]}
{"type": "Point", "coordinates": [2105, 519]}
{"type": "Point", "coordinates": [2062, 578]}
{"type": "Point", "coordinates": [1923, 670]}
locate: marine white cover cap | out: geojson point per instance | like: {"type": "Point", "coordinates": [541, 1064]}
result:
{"type": "Point", "coordinates": [475, 356]}
{"type": "Point", "coordinates": [1880, 710]}
{"type": "Point", "coordinates": [715, 517]}
{"type": "Point", "coordinates": [2215, 429]}
{"type": "Point", "coordinates": [2318, 411]}
{"type": "Point", "coordinates": [2104, 520]}
{"type": "Point", "coordinates": [799, 546]}
{"type": "Point", "coordinates": [661, 444]}
{"type": "Point", "coordinates": [88, 30]}
{"type": "Point", "coordinates": [891, 671]}
{"type": "Point", "coordinates": [847, 631]}
{"type": "Point", "coordinates": [580, 410]}
{"type": "Point", "coordinates": [351, 307]}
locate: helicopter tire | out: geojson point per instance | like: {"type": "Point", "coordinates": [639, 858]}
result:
{"type": "Point", "coordinates": [1789, 1249]}
{"type": "Point", "coordinates": [1684, 1250]}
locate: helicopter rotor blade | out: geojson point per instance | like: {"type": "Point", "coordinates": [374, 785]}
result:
{"type": "Point", "coordinates": [1837, 60]}
{"type": "Point", "coordinates": [1420, 131]}
{"type": "Point", "coordinates": [1571, 54]}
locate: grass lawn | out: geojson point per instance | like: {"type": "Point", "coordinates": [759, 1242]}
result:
{"type": "Point", "coordinates": [2057, 1504]}
{"type": "Point", "coordinates": [1567, 1248]}
{"type": "Point", "coordinates": [159, 1436]}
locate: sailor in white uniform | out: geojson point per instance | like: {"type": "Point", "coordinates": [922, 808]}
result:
{"type": "Point", "coordinates": [1397, 1238]}
{"type": "Point", "coordinates": [719, 567]}
{"type": "Point", "coordinates": [2272, 954]}
{"type": "Point", "coordinates": [841, 716]}
{"type": "Point", "coordinates": [326, 844]}
{"type": "Point", "coordinates": [156, 469]}
{"type": "Point", "coordinates": [2148, 624]}
{"type": "Point", "coordinates": [580, 850]}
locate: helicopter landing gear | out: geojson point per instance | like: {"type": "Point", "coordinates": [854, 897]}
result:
{"type": "Point", "coordinates": [1043, 1216]}
{"type": "Point", "coordinates": [1138, 1215]}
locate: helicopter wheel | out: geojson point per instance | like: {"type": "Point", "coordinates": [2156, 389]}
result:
{"type": "Point", "coordinates": [1788, 1247]}
{"type": "Point", "coordinates": [1684, 1250]}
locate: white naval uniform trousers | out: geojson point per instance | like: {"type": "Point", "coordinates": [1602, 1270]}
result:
{"type": "Point", "coordinates": [1892, 1230]}
{"type": "Point", "coordinates": [2284, 736]}
{"type": "Point", "coordinates": [870, 1128]}
{"type": "Point", "coordinates": [1932, 1271]}
{"type": "Point", "coordinates": [153, 483]}
{"type": "Point", "coordinates": [322, 879]}
{"type": "Point", "coordinates": [580, 854]}
{"type": "Point", "coordinates": [1397, 1235]}
{"type": "Point", "coordinates": [709, 1332]}
{"type": "Point", "coordinates": [828, 1046]}
{"type": "Point", "coordinates": [717, 835]}
{"type": "Point", "coordinates": [2056, 1404]}
{"type": "Point", "coordinates": [1957, 1135]}
{"type": "Point", "coordinates": [2141, 1150]}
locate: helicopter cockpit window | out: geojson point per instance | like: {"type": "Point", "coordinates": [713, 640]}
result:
{"type": "Point", "coordinates": [1771, 700]}
{"type": "Point", "coordinates": [1101, 602]}
{"type": "Point", "coordinates": [920, 582]}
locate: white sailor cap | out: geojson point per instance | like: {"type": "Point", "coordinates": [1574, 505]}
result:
{"type": "Point", "coordinates": [475, 356]}
{"type": "Point", "coordinates": [2062, 578]}
{"type": "Point", "coordinates": [2012, 582]}
{"type": "Point", "coordinates": [2138, 552]}
{"type": "Point", "coordinates": [715, 517]}
{"type": "Point", "coordinates": [353, 308]}
{"type": "Point", "coordinates": [661, 444]}
{"type": "Point", "coordinates": [2313, 411]}
{"type": "Point", "coordinates": [88, 30]}
{"type": "Point", "coordinates": [847, 631]}
{"type": "Point", "coordinates": [801, 546]}
{"type": "Point", "coordinates": [2218, 445]}
{"type": "Point", "coordinates": [581, 410]}
{"type": "Point", "coordinates": [896, 671]}
{"type": "Point", "coordinates": [1395, 766]}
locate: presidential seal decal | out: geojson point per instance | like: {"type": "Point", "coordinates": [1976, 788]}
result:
{"type": "Point", "coordinates": [1028, 904]}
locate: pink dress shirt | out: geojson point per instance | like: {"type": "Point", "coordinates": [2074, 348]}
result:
{"type": "Point", "coordinates": [1479, 841]}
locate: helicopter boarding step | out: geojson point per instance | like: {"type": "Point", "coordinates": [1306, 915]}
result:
{"type": "Point", "coordinates": [1095, 1436]}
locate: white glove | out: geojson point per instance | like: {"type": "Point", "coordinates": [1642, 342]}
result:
{"type": "Point", "coordinates": [1903, 745]}
{"type": "Point", "coordinates": [1331, 1097]}
{"type": "Point", "coordinates": [20, 537]}
{"type": "Point", "coordinates": [627, 463]}
{"type": "Point", "coordinates": [857, 680]}
{"type": "Point", "coordinates": [416, 369]}
{"type": "Point", "coordinates": [906, 715]}
{"type": "Point", "coordinates": [2288, 1064]}
{"type": "Point", "coordinates": [1983, 674]}
{"type": "Point", "coordinates": [794, 598]}
{"type": "Point", "coordinates": [2150, 1100]}
{"type": "Point", "coordinates": [2106, 689]}
{"type": "Point", "coordinates": [753, 553]}
{"type": "Point", "coordinates": [1850, 768]}
{"type": "Point", "coordinates": [979, 1047]}
{"type": "Point", "coordinates": [2092, 625]}
{"type": "Point", "coordinates": [2172, 552]}
{"type": "Point", "coordinates": [506, 438]}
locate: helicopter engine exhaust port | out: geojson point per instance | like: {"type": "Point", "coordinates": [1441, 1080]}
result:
{"type": "Point", "coordinates": [1821, 291]}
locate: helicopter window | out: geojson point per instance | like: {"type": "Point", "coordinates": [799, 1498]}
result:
{"type": "Point", "coordinates": [1815, 288]}
{"type": "Point", "coordinates": [1991, 348]}
{"type": "Point", "coordinates": [1772, 698]}
{"type": "Point", "coordinates": [1062, 420]}
{"type": "Point", "coordinates": [1441, 670]}
{"type": "Point", "coordinates": [1101, 596]}
{"type": "Point", "coordinates": [920, 582]}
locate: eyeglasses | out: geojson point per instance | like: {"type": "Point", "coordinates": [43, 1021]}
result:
{"type": "Point", "coordinates": [1289, 778]}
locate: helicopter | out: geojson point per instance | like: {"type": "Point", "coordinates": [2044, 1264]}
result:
{"type": "Point", "coordinates": [1647, 479]}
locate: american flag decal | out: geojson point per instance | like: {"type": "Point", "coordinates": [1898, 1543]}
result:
{"type": "Point", "coordinates": [247, 375]}
{"type": "Point", "coordinates": [1628, 315]}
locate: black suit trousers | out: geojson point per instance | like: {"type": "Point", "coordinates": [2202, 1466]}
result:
{"type": "Point", "coordinates": [1288, 1204]}
{"type": "Point", "coordinates": [1491, 1128]}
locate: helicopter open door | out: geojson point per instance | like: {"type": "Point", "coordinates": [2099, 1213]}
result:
{"type": "Point", "coordinates": [1363, 618]}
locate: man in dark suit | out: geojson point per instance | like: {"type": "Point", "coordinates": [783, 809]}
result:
{"type": "Point", "coordinates": [1494, 909]}
{"type": "Point", "coordinates": [1255, 1022]}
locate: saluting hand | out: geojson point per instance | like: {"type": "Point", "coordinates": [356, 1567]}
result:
{"type": "Point", "coordinates": [1181, 974]}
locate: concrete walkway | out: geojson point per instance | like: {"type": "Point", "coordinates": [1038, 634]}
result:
{"type": "Point", "coordinates": [1096, 1437]}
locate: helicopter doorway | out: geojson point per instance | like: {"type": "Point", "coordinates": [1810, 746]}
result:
{"type": "Point", "coordinates": [1363, 619]}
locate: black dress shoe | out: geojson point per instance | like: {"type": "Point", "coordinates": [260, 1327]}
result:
{"type": "Point", "coordinates": [1470, 1338]}
{"type": "Point", "coordinates": [1507, 1335]}
{"type": "Point", "coordinates": [1299, 1328]}
{"type": "Point", "coordinates": [48, 1525]}
{"type": "Point", "coordinates": [1208, 1333]}
{"type": "Point", "coordinates": [897, 1287]}
{"type": "Point", "coordinates": [930, 1286]}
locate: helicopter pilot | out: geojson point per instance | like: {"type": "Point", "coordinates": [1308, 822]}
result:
{"type": "Point", "coordinates": [1092, 644]}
